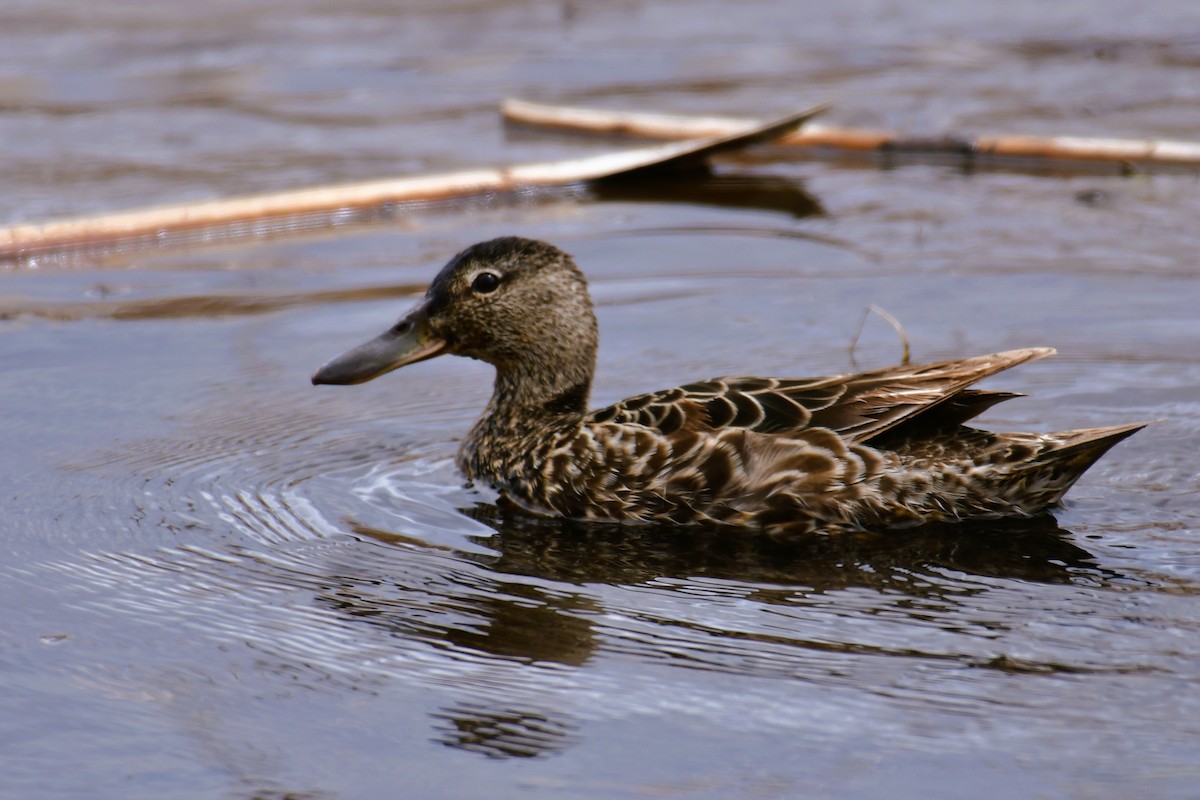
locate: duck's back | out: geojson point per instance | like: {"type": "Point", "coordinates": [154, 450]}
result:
{"type": "Point", "coordinates": [878, 449]}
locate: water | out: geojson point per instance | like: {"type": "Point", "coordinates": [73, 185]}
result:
{"type": "Point", "coordinates": [221, 581]}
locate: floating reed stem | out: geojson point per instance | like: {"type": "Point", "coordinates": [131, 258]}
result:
{"type": "Point", "coordinates": [109, 230]}
{"type": "Point", "coordinates": [815, 135]}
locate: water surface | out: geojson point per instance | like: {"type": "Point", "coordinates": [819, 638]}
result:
{"type": "Point", "coordinates": [224, 582]}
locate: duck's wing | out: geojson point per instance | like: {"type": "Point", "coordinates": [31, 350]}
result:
{"type": "Point", "coordinates": [858, 407]}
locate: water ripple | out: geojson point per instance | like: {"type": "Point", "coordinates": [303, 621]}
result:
{"type": "Point", "coordinates": [351, 559]}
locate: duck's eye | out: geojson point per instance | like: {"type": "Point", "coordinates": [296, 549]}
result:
{"type": "Point", "coordinates": [486, 282]}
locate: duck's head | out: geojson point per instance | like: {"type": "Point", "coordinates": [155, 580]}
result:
{"type": "Point", "coordinates": [519, 304]}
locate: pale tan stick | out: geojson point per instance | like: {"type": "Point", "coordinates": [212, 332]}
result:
{"type": "Point", "coordinates": [667, 126]}
{"type": "Point", "coordinates": [28, 240]}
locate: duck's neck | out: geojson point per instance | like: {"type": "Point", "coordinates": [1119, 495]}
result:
{"type": "Point", "coordinates": [530, 405]}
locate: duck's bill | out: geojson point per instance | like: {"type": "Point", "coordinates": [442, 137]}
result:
{"type": "Point", "coordinates": [407, 342]}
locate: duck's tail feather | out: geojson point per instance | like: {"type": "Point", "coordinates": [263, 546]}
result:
{"type": "Point", "coordinates": [1048, 475]}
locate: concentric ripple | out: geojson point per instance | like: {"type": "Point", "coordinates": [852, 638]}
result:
{"type": "Point", "coordinates": [353, 555]}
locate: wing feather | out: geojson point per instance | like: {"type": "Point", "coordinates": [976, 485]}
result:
{"type": "Point", "coordinates": [858, 407]}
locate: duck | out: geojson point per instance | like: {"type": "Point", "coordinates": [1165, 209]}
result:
{"type": "Point", "coordinates": [875, 450]}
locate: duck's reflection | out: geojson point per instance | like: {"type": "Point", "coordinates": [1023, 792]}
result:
{"type": "Point", "coordinates": [500, 731]}
{"type": "Point", "coordinates": [1035, 549]}
{"type": "Point", "coordinates": [512, 622]}
{"type": "Point", "coordinates": [527, 623]}
{"type": "Point", "coordinates": [541, 620]}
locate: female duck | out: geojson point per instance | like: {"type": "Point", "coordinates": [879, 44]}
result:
{"type": "Point", "coordinates": [873, 450]}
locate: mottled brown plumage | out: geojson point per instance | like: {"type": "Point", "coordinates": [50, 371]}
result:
{"type": "Point", "coordinates": [878, 449]}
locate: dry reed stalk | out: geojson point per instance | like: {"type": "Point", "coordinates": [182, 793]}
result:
{"type": "Point", "coordinates": [24, 241]}
{"type": "Point", "coordinates": [669, 126]}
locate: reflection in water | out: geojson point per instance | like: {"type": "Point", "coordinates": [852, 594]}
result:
{"type": "Point", "coordinates": [702, 186]}
{"type": "Point", "coordinates": [513, 622]}
{"type": "Point", "coordinates": [1032, 550]}
{"type": "Point", "coordinates": [499, 732]}
{"type": "Point", "coordinates": [548, 630]}
{"type": "Point", "coordinates": [210, 305]}
{"type": "Point", "coordinates": [530, 624]}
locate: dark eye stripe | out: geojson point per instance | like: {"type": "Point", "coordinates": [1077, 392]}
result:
{"type": "Point", "coordinates": [486, 282]}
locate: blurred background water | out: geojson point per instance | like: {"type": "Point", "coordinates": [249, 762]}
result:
{"type": "Point", "coordinates": [220, 581]}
